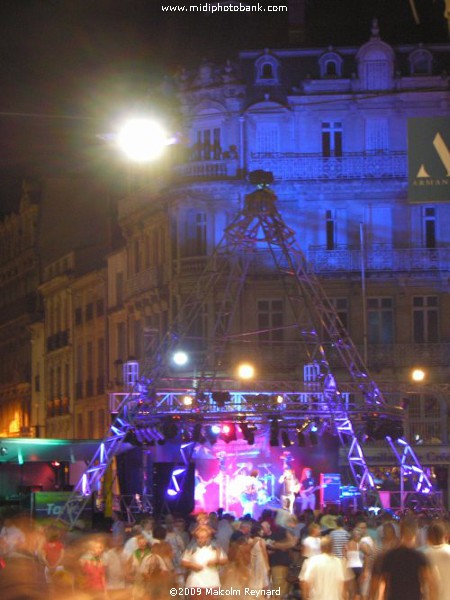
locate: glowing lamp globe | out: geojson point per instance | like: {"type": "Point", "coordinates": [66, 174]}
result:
{"type": "Point", "coordinates": [180, 358]}
{"type": "Point", "coordinates": [142, 140]}
{"type": "Point", "coordinates": [246, 371]}
{"type": "Point", "coordinates": [418, 375]}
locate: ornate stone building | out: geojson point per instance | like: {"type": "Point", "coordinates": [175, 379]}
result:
{"type": "Point", "coordinates": [19, 278]}
{"type": "Point", "coordinates": [331, 125]}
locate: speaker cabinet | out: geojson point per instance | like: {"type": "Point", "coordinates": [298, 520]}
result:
{"type": "Point", "coordinates": [330, 488]}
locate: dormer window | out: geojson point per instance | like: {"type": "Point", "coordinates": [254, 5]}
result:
{"type": "Point", "coordinates": [267, 70]}
{"type": "Point", "coordinates": [420, 62]}
{"type": "Point", "coordinates": [330, 64]}
{"type": "Point", "coordinates": [330, 68]}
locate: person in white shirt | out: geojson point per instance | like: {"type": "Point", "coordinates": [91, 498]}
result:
{"type": "Point", "coordinates": [131, 544]}
{"type": "Point", "coordinates": [13, 538]}
{"type": "Point", "coordinates": [203, 560]}
{"type": "Point", "coordinates": [115, 567]}
{"type": "Point", "coordinates": [438, 553]}
{"type": "Point", "coordinates": [323, 576]}
{"type": "Point", "coordinates": [311, 544]}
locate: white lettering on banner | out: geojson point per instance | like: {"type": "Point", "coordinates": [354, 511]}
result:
{"type": "Point", "coordinates": [54, 509]}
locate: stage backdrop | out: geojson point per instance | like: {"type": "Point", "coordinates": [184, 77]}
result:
{"type": "Point", "coordinates": [221, 470]}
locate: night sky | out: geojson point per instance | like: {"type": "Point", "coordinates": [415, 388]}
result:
{"type": "Point", "coordinates": [68, 68]}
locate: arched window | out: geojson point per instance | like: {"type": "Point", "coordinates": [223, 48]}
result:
{"type": "Point", "coordinates": [420, 62]}
{"type": "Point", "coordinates": [330, 68]}
{"type": "Point", "coordinates": [376, 66]}
{"type": "Point", "coordinates": [330, 64]}
{"type": "Point", "coordinates": [267, 70]}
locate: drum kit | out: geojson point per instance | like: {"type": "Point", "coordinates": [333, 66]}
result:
{"type": "Point", "coordinates": [260, 489]}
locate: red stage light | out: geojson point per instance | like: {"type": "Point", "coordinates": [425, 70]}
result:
{"type": "Point", "coordinates": [228, 432]}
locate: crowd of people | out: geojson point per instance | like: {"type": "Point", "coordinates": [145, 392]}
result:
{"type": "Point", "coordinates": [312, 556]}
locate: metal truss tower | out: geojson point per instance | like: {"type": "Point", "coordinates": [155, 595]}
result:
{"type": "Point", "coordinates": [337, 387]}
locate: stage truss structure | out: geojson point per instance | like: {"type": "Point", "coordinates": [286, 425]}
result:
{"type": "Point", "coordinates": [337, 388]}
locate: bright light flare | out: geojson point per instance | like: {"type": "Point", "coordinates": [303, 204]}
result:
{"type": "Point", "coordinates": [142, 140]}
{"type": "Point", "coordinates": [418, 375]}
{"type": "Point", "coordinates": [188, 401]}
{"type": "Point", "coordinates": [180, 358]}
{"type": "Point", "coordinates": [246, 371]}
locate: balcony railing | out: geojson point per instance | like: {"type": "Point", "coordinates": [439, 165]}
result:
{"type": "Point", "coordinates": [405, 355]}
{"type": "Point", "coordinates": [357, 165]}
{"type": "Point", "coordinates": [208, 169]}
{"type": "Point", "coordinates": [57, 340]}
{"type": "Point", "coordinates": [380, 257]}
{"type": "Point", "coordinates": [142, 282]}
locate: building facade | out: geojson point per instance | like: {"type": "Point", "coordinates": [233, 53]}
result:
{"type": "Point", "coordinates": [331, 125]}
{"type": "Point", "coordinates": [20, 272]}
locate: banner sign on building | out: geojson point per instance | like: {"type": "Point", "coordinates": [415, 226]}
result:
{"type": "Point", "coordinates": [429, 159]}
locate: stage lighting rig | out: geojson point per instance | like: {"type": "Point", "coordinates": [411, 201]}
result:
{"type": "Point", "coordinates": [212, 433]}
{"type": "Point", "coordinates": [248, 432]}
{"type": "Point", "coordinates": [274, 432]}
{"type": "Point", "coordinates": [221, 398]}
{"type": "Point", "coordinates": [285, 439]}
{"type": "Point", "coordinates": [228, 432]}
{"type": "Point", "coordinates": [197, 434]}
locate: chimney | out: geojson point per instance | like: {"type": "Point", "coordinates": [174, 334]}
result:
{"type": "Point", "coordinates": [297, 10]}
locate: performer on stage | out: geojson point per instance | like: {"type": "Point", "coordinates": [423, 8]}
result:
{"type": "Point", "coordinates": [249, 494]}
{"type": "Point", "coordinates": [307, 490]}
{"type": "Point", "coordinates": [200, 486]}
{"type": "Point", "coordinates": [291, 487]}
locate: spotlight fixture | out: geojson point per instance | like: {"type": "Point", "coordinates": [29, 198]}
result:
{"type": "Point", "coordinates": [187, 401]}
{"type": "Point", "coordinates": [274, 432]}
{"type": "Point", "coordinates": [221, 398]}
{"type": "Point", "coordinates": [277, 401]}
{"type": "Point", "coordinates": [130, 438]}
{"type": "Point", "coordinates": [285, 439]}
{"type": "Point", "coordinates": [301, 439]}
{"type": "Point", "coordinates": [197, 435]}
{"type": "Point", "coordinates": [301, 435]}
{"type": "Point", "coordinates": [212, 433]}
{"type": "Point", "coordinates": [248, 431]}
{"type": "Point", "coordinates": [228, 432]}
{"type": "Point", "coordinates": [3, 451]}
{"type": "Point", "coordinates": [313, 437]}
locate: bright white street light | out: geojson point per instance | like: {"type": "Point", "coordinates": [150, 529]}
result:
{"type": "Point", "coordinates": [142, 140]}
{"type": "Point", "coordinates": [418, 375]}
{"type": "Point", "coordinates": [246, 371]}
{"type": "Point", "coordinates": [180, 358]}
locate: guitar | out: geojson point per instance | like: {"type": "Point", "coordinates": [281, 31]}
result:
{"type": "Point", "coordinates": [307, 493]}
